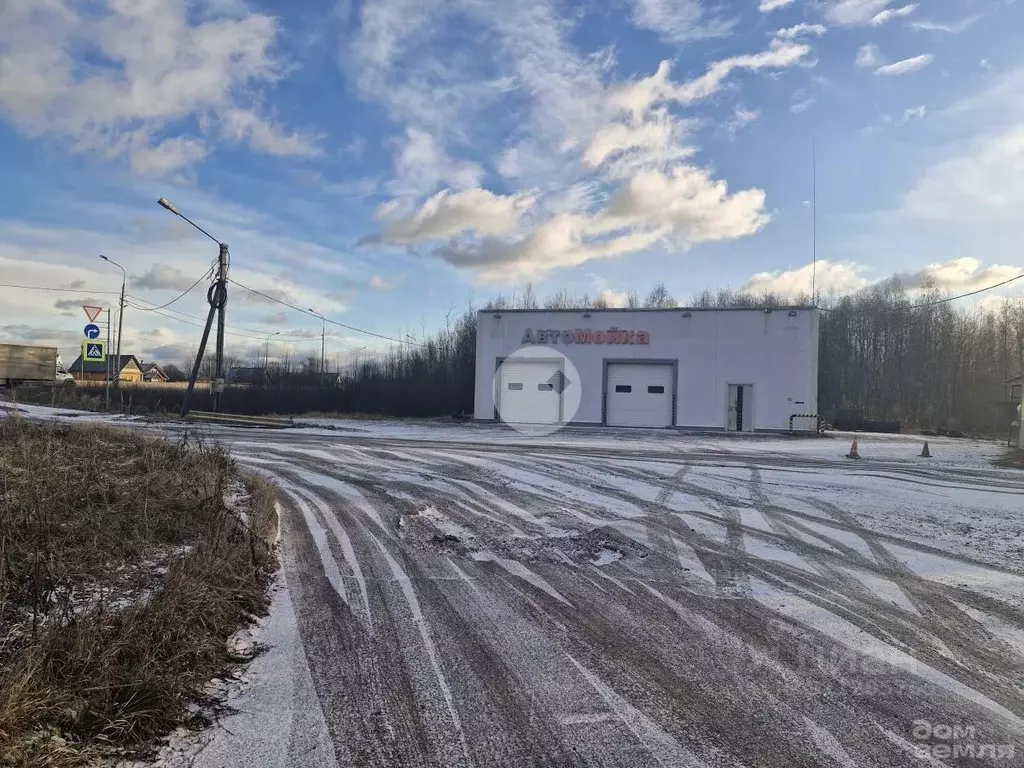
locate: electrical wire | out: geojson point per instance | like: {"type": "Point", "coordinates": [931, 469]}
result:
{"type": "Point", "coordinates": [325, 319]}
{"type": "Point", "coordinates": [948, 299]}
{"type": "Point", "coordinates": [64, 290]}
{"type": "Point", "coordinates": [965, 295]}
{"type": "Point", "coordinates": [172, 301]}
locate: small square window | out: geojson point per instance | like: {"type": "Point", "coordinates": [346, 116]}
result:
{"type": "Point", "coordinates": [623, 388]}
{"type": "Point", "coordinates": [543, 387]}
{"type": "Point", "coordinates": [515, 386]}
{"type": "Point", "coordinates": [653, 390]}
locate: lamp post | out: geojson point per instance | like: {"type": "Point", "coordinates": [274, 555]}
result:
{"type": "Point", "coordinates": [120, 324]}
{"type": "Point", "coordinates": [217, 297]}
{"type": "Point", "coordinates": [323, 336]}
{"type": "Point", "coordinates": [266, 353]}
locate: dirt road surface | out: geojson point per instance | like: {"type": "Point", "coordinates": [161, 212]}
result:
{"type": "Point", "coordinates": [622, 599]}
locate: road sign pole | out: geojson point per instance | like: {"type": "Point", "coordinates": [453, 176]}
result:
{"type": "Point", "coordinates": [108, 361]}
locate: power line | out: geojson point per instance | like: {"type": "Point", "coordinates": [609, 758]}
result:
{"type": "Point", "coordinates": [64, 290]}
{"type": "Point", "coordinates": [200, 322]}
{"type": "Point", "coordinates": [965, 295]}
{"type": "Point", "coordinates": [327, 319]}
{"type": "Point", "coordinates": [172, 301]}
{"type": "Point", "coordinates": [948, 299]}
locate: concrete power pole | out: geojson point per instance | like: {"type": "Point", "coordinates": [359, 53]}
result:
{"type": "Point", "coordinates": [217, 297]}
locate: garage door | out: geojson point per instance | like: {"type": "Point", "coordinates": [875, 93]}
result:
{"type": "Point", "coordinates": [529, 392]}
{"type": "Point", "coordinates": [639, 395]}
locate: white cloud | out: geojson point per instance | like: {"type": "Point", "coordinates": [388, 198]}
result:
{"type": "Point", "coordinates": [963, 274]}
{"type": "Point", "coordinates": [868, 56]}
{"type": "Point", "coordinates": [801, 102]}
{"type": "Point", "coordinates": [828, 277]}
{"type": "Point", "coordinates": [906, 66]}
{"type": "Point", "coordinates": [594, 168]}
{"type": "Point", "coordinates": [850, 13]}
{"type": "Point", "coordinates": [679, 21]}
{"type": "Point", "coordinates": [740, 119]}
{"type": "Point", "coordinates": [681, 207]}
{"type": "Point", "coordinates": [912, 113]}
{"type": "Point", "coordinates": [245, 125]}
{"type": "Point", "coordinates": [983, 184]}
{"type": "Point", "coordinates": [767, 6]}
{"type": "Point", "coordinates": [791, 33]}
{"type": "Point", "coordinates": [422, 166]}
{"type": "Point", "coordinates": [450, 213]}
{"type": "Point", "coordinates": [657, 136]}
{"type": "Point", "coordinates": [637, 97]}
{"type": "Point", "coordinates": [954, 27]}
{"type": "Point", "coordinates": [167, 156]}
{"type": "Point", "coordinates": [161, 277]}
{"type": "Point", "coordinates": [112, 76]}
{"type": "Point", "coordinates": [889, 14]}
{"type": "Point", "coordinates": [381, 283]}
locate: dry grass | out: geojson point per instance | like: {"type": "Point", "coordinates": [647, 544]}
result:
{"type": "Point", "coordinates": [1012, 458]}
{"type": "Point", "coordinates": [123, 571]}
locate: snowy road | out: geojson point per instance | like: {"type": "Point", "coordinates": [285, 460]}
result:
{"type": "Point", "coordinates": [458, 595]}
{"type": "Point", "coordinates": [623, 599]}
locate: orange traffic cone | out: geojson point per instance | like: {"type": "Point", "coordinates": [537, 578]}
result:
{"type": "Point", "coordinates": [925, 453]}
{"type": "Point", "coordinates": [853, 451]}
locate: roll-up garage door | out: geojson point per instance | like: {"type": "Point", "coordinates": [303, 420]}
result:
{"type": "Point", "coordinates": [530, 392]}
{"type": "Point", "coordinates": [639, 395]}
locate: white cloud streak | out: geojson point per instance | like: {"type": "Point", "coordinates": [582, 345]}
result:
{"type": "Point", "coordinates": [679, 21]}
{"type": "Point", "coordinates": [791, 33]}
{"type": "Point", "coordinates": [767, 6]}
{"type": "Point", "coordinates": [906, 66]}
{"type": "Point", "coordinates": [889, 14]}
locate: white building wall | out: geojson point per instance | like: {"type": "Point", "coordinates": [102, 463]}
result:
{"type": "Point", "coordinates": [775, 351]}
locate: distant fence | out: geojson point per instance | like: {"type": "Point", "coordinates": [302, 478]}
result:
{"type": "Point", "coordinates": [382, 396]}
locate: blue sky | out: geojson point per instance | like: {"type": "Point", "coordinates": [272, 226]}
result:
{"type": "Point", "coordinates": [389, 162]}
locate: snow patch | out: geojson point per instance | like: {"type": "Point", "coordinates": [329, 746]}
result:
{"type": "Point", "coordinates": [606, 556]}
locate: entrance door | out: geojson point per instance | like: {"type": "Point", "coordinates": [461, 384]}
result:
{"type": "Point", "coordinates": [741, 408]}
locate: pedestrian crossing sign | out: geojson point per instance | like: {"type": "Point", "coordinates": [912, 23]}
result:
{"type": "Point", "coordinates": [94, 351]}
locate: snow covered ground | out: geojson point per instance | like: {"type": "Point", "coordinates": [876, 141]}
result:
{"type": "Point", "coordinates": [461, 594]}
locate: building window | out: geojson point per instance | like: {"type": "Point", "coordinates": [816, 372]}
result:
{"type": "Point", "coordinates": [1015, 392]}
{"type": "Point", "coordinates": [653, 390]}
{"type": "Point", "coordinates": [542, 387]}
{"type": "Point", "coordinates": [623, 388]}
{"type": "Point", "coordinates": [515, 387]}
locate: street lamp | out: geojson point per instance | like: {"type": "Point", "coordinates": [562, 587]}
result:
{"type": "Point", "coordinates": [120, 324]}
{"type": "Point", "coordinates": [217, 298]}
{"type": "Point", "coordinates": [266, 354]}
{"type": "Point", "coordinates": [323, 336]}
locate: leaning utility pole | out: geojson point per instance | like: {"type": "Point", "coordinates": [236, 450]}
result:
{"type": "Point", "coordinates": [217, 297]}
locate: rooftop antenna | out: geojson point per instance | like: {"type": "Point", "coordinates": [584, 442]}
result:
{"type": "Point", "coordinates": [814, 221]}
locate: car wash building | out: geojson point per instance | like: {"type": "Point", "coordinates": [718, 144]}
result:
{"type": "Point", "coordinates": [742, 370]}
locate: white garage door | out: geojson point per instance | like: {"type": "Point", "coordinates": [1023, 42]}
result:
{"type": "Point", "coordinates": [639, 395]}
{"type": "Point", "coordinates": [529, 392]}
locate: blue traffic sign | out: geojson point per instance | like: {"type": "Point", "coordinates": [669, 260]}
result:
{"type": "Point", "coordinates": [94, 352]}
{"type": "Point", "coordinates": [92, 331]}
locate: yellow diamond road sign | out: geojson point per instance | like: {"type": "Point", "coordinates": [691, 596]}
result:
{"type": "Point", "coordinates": [94, 351]}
